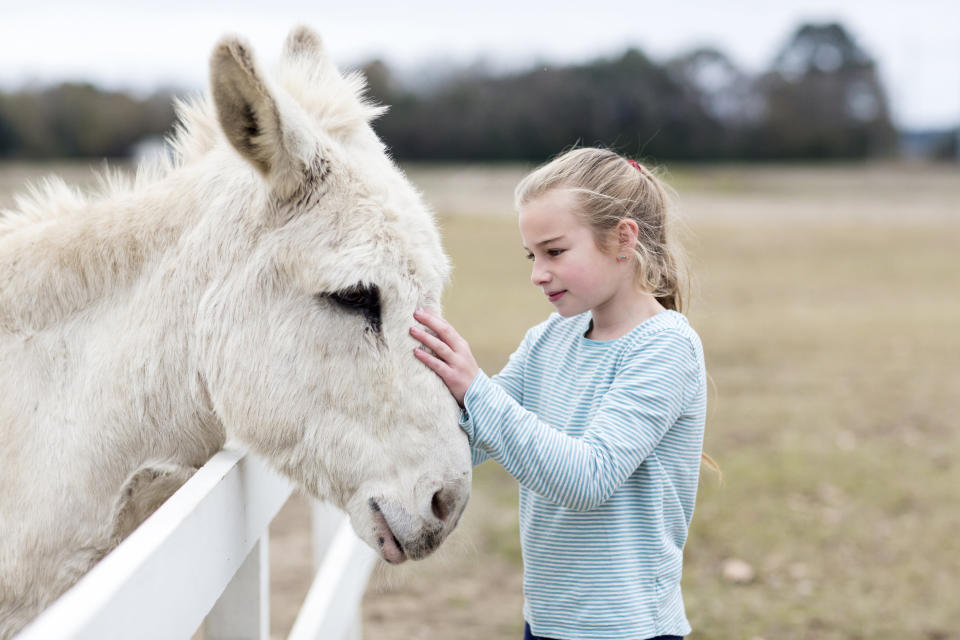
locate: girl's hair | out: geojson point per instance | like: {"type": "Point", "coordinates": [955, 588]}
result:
{"type": "Point", "coordinates": [610, 189]}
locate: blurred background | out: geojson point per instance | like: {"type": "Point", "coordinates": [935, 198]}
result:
{"type": "Point", "coordinates": [802, 79]}
{"type": "Point", "coordinates": [813, 149]}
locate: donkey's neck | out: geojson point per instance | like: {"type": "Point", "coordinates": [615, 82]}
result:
{"type": "Point", "coordinates": [56, 268]}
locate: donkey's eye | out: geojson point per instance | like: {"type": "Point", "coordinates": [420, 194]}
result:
{"type": "Point", "coordinates": [361, 299]}
{"type": "Point", "coordinates": [352, 297]}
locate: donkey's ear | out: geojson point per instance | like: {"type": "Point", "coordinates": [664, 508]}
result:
{"type": "Point", "coordinates": [304, 46]}
{"type": "Point", "coordinates": [303, 41]}
{"type": "Point", "coordinates": [271, 133]}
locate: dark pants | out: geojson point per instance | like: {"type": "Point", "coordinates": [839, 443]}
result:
{"type": "Point", "coordinates": [528, 635]}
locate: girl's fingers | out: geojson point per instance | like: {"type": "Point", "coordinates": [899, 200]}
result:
{"type": "Point", "coordinates": [440, 326]}
{"type": "Point", "coordinates": [439, 347]}
{"type": "Point", "coordinates": [436, 365]}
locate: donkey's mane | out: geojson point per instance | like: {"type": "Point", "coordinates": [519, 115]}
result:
{"type": "Point", "coordinates": [337, 102]}
{"type": "Point", "coordinates": [195, 132]}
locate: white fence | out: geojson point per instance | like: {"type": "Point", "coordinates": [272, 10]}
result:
{"type": "Point", "coordinates": [202, 562]}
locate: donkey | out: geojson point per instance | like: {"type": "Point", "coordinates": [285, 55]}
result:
{"type": "Point", "coordinates": [257, 286]}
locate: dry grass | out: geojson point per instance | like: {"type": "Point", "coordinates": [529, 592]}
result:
{"type": "Point", "coordinates": [827, 299]}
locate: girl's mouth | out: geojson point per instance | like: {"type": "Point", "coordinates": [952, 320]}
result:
{"type": "Point", "coordinates": [553, 296]}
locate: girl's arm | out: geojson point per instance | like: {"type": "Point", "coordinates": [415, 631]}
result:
{"type": "Point", "coordinates": [510, 378]}
{"type": "Point", "coordinates": [580, 473]}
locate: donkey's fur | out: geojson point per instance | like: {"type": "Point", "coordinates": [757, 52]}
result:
{"type": "Point", "coordinates": [258, 286]}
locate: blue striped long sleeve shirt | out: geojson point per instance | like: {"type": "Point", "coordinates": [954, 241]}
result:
{"type": "Point", "coordinates": [604, 438]}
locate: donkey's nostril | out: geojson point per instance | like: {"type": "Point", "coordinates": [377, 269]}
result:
{"type": "Point", "coordinates": [439, 506]}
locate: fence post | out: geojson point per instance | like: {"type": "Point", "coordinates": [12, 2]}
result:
{"type": "Point", "coordinates": [330, 610]}
{"type": "Point", "coordinates": [243, 611]}
{"type": "Point", "coordinates": [326, 519]}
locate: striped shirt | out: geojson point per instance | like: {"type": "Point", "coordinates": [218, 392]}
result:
{"type": "Point", "coordinates": [604, 438]}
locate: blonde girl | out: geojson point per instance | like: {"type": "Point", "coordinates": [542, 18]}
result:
{"type": "Point", "coordinates": [599, 414]}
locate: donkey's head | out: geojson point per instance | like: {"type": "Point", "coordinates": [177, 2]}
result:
{"type": "Point", "coordinates": [304, 344]}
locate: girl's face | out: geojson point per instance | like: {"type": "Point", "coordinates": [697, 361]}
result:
{"type": "Point", "coordinates": [573, 273]}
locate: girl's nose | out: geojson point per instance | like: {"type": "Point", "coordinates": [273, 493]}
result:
{"type": "Point", "coordinates": [539, 276]}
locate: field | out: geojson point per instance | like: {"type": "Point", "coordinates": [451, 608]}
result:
{"type": "Point", "coordinates": [828, 300]}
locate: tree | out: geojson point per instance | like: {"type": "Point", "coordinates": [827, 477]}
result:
{"type": "Point", "coordinates": [726, 96]}
{"type": "Point", "coordinates": [9, 140]}
{"type": "Point", "coordinates": [823, 99]}
{"type": "Point", "coordinates": [79, 120]}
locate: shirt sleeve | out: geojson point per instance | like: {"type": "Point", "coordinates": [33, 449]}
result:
{"type": "Point", "coordinates": [510, 380]}
{"type": "Point", "coordinates": [645, 399]}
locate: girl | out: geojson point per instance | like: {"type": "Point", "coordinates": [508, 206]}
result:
{"type": "Point", "coordinates": [599, 414]}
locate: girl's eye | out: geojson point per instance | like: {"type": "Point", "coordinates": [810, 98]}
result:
{"type": "Point", "coordinates": [529, 256]}
{"type": "Point", "coordinates": [555, 252]}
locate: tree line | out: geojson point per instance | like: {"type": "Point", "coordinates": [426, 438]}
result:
{"type": "Point", "coordinates": [821, 98]}
{"type": "Point", "coordinates": [79, 120]}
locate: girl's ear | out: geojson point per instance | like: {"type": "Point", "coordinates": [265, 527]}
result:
{"type": "Point", "coordinates": [627, 233]}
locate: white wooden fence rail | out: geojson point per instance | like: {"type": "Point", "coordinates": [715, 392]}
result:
{"type": "Point", "coordinates": [203, 560]}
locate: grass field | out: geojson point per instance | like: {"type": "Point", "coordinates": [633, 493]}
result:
{"type": "Point", "coordinates": [828, 300]}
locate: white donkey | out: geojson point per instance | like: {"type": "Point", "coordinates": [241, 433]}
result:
{"type": "Point", "coordinates": [259, 287]}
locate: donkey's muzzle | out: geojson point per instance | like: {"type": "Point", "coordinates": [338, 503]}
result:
{"type": "Point", "coordinates": [438, 509]}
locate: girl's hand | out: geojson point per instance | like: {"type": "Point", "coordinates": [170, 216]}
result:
{"type": "Point", "coordinates": [451, 358]}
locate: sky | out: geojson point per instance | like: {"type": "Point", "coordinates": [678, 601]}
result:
{"type": "Point", "coordinates": [141, 46]}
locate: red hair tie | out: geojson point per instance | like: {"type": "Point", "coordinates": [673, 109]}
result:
{"type": "Point", "coordinates": [636, 165]}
